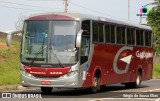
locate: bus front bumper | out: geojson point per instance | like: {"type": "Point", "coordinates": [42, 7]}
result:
{"type": "Point", "coordinates": [69, 82]}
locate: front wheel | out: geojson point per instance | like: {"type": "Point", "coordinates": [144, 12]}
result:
{"type": "Point", "coordinates": [46, 90]}
{"type": "Point", "coordinates": [96, 86]}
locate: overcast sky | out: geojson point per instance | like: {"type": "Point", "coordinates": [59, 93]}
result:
{"type": "Point", "coordinates": [10, 10]}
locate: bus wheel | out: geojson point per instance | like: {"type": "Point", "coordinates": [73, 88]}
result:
{"type": "Point", "coordinates": [138, 80]}
{"type": "Point", "coordinates": [46, 90]}
{"type": "Point", "coordinates": [135, 84]}
{"type": "Point", "coordinates": [96, 87]}
{"type": "Point", "coordinates": [103, 87]}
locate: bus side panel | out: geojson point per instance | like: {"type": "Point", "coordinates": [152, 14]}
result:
{"type": "Point", "coordinates": [143, 60]}
{"type": "Point", "coordinates": [104, 58]}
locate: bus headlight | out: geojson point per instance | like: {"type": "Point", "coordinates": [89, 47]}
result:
{"type": "Point", "coordinates": [72, 73]}
{"type": "Point", "coordinates": [26, 73]}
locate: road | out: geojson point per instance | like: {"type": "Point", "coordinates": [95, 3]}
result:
{"type": "Point", "coordinates": [111, 93]}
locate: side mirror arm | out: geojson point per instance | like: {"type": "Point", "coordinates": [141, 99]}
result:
{"type": "Point", "coordinates": [79, 38]}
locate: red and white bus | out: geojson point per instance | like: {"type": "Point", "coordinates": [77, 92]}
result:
{"type": "Point", "coordinates": [71, 50]}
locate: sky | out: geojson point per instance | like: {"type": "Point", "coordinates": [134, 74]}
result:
{"type": "Point", "coordinates": [12, 10]}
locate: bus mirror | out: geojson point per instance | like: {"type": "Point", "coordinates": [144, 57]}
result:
{"type": "Point", "coordinates": [78, 39]}
{"type": "Point", "coordinates": [9, 37]}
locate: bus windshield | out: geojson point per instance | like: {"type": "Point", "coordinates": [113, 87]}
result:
{"type": "Point", "coordinates": [49, 42]}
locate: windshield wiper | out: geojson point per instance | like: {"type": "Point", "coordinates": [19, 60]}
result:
{"type": "Point", "coordinates": [59, 62]}
{"type": "Point", "coordinates": [39, 51]}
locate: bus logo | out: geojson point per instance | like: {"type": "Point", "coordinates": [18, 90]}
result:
{"type": "Point", "coordinates": [144, 54]}
{"type": "Point", "coordinates": [126, 59]}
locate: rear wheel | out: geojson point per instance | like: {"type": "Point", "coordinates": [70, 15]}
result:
{"type": "Point", "coordinates": [103, 87]}
{"type": "Point", "coordinates": [138, 80]}
{"type": "Point", "coordinates": [46, 90]}
{"type": "Point", "coordinates": [135, 84]}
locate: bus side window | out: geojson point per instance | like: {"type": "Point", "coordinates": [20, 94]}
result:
{"type": "Point", "coordinates": [150, 38]}
{"type": "Point", "coordinates": [141, 38]}
{"type": "Point", "coordinates": [119, 34]}
{"type": "Point", "coordinates": [133, 36]}
{"type": "Point", "coordinates": [129, 36]}
{"type": "Point", "coordinates": [120, 31]}
{"type": "Point", "coordinates": [123, 35]}
{"type": "Point", "coordinates": [100, 32]}
{"type": "Point", "coordinates": [147, 38]}
{"type": "Point", "coordinates": [95, 32]}
{"type": "Point", "coordinates": [108, 33]}
{"type": "Point", "coordinates": [138, 37]}
{"type": "Point", "coordinates": [113, 34]}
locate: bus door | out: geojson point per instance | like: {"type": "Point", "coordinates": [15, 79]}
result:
{"type": "Point", "coordinates": [84, 50]}
{"type": "Point", "coordinates": [85, 41]}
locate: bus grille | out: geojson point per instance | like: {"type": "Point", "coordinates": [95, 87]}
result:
{"type": "Point", "coordinates": [46, 76]}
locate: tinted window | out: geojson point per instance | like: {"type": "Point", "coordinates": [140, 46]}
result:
{"type": "Point", "coordinates": [148, 38]}
{"type": "Point", "coordinates": [108, 33]}
{"type": "Point", "coordinates": [129, 36]}
{"type": "Point", "coordinates": [86, 25]}
{"type": "Point", "coordinates": [141, 38]}
{"type": "Point", "coordinates": [133, 36]}
{"type": "Point", "coordinates": [112, 33]}
{"type": "Point", "coordinates": [119, 35]}
{"type": "Point", "coordinates": [138, 37]}
{"type": "Point", "coordinates": [95, 32]}
{"type": "Point", "coordinates": [123, 35]}
{"type": "Point", "coordinates": [101, 35]}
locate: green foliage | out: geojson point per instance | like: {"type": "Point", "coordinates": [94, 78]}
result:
{"type": "Point", "coordinates": [156, 70]}
{"type": "Point", "coordinates": [9, 63]}
{"type": "Point", "coordinates": [154, 21]}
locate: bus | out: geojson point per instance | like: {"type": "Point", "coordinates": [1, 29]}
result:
{"type": "Point", "coordinates": [73, 50]}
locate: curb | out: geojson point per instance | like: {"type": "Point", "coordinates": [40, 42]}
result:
{"type": "Point", "coordinates": [14, 87]}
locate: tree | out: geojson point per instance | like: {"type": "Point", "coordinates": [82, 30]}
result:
{"type": "Point", "coordinates": [19, 22]}
{"type": "Point", "coordinates": [154, 21]}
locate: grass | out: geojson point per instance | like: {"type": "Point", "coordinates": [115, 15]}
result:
{"type": "Point", "coordinates": [9, 63]}
{"type": "Point", "coordinates": [156, 71]}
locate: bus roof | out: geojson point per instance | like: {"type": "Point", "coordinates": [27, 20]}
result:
{"type": "Point", "coordinates": [79, 16]}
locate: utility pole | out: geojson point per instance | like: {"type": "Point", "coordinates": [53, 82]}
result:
{"type": "Point", "coordinates": [65, 5]}
{"type": "Point", "coordinates": [128, 9]}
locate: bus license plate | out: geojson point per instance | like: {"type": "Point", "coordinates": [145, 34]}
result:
{"type": "Point", "coordinates": [46, 82]}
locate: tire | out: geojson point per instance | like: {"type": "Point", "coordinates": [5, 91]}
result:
{"type": "Point", "coordinates": [96, 86]}
{"type": "Point", "coordinates": [46, 90]}
{"type": "Point", "coordinates": [103, 87]}
{"type": "Point", "coordinates": [135, 84]}
{"type": "Point", "coordinates": [138, 80]}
